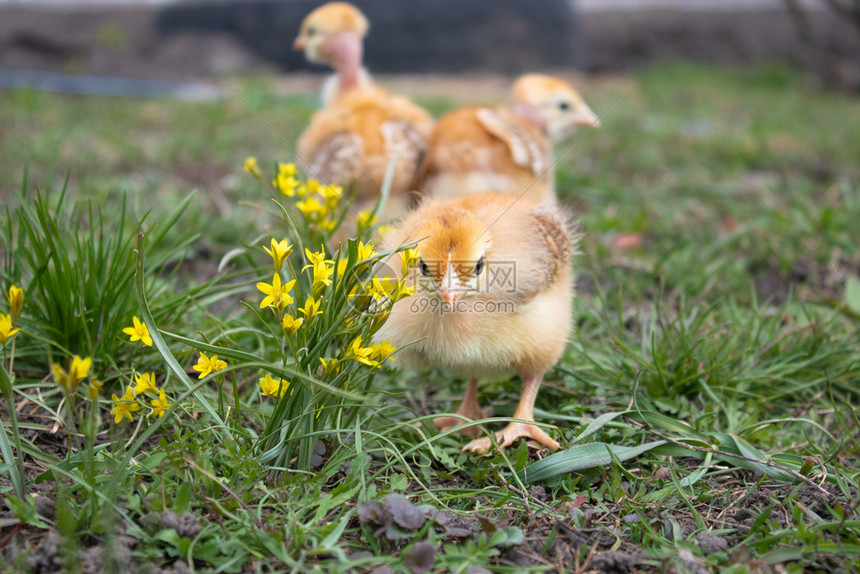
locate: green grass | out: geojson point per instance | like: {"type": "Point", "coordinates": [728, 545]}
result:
{"type": "Point", "coordinates": [710, 388]}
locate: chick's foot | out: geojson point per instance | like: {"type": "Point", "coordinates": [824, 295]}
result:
{"type": "Point", "coordinates": [469, 408]}
{"type": "Point", "coordinates": [511, 433]}
{"type": "Point", "coordinates": [443, 424]}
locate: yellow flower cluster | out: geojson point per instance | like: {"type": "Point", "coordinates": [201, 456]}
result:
{"type": "Point", "coordinates": [322, 269]}
{"type": "Point", "coordinates": [317, 202]}
{"type": "Point", "coordinates": [269, 387]}
{"type": "Point", "coordinates": [206, 365]}
{"type": "Point", "coordinates": [384, 289]}
{"type": "Point", "coordinates": [365, 221]}
{"type": "Point", "coordinates": [373, 355]}
{"type": "Point", "coordinates": [124, 406]}
{"type": "Point", "coordinates": [285, 182]}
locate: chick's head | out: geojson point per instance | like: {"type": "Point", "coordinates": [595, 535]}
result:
{"type": "Point", "coordinates": [454, 254]}
{"type": "Point", "coordinates": [331, 28]}
{"type": "Point", "coordinates": [553, 104]}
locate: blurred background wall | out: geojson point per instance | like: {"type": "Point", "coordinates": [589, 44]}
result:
{"type": "Point", "coordinates": [182, 40]}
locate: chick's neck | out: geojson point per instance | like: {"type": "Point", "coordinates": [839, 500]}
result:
{"type": "Point", "coordinates": [346, 50]}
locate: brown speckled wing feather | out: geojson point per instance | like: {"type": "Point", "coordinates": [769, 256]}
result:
{"type": "Point", "coordinates": [338, 158]}
{"type": "Point", "coordinates": [553, 247]}
{"type": "Point", "coordinates": [404, 141]}
{"type": "Point", "coordinates": [558, 244]}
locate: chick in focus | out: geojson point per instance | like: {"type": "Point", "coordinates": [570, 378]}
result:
{"type": "Point", "coordinates": [495, 292]}
{"type": "Point", "coordinates": [361, 127]}
{"type": "Point", "coordinates": [506, 149]}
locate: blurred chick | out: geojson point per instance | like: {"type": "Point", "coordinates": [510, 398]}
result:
{"type": "Point", "coordinates": [505, 149]}
{"type": "Point", "coordinates": [361, 128]}
{"type": "Point", "coordinates": [495, 295]}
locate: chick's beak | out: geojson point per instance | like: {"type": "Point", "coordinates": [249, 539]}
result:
{"type": "Point", "coordinates": [299, 43]}
{"type": "Point", "coordinates": [450, 297]}
{"type": "Point", "coordinates": [585, 117]}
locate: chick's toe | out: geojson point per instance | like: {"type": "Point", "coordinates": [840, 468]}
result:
{"type": "Point", "coordinates": [511, 433]}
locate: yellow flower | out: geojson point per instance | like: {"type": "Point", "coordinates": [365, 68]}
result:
{"type": "Point", "coordinates": [286, 181]}
{"type": "Point", "coordinates": [383, 350]}
{"type": "Point", "coordinates": [93, 389]}
{"type": "Point", "coordinates": [314, 259]}
{"type": "Point", "coordinates": [365, 252]}
{"type": "Point", "coordinates": [331, 194]}
{"type": "Point", "coordinates": [138, 332]}
{"type": "Point", "coordinates": [341, 268]}
{"type": "Point", "coordinates": [385, 285]}
{"type": "Point", "coordinates": [409, 257]}
{"type": "Point", "coordinates": [365, 221]}
{"type": "Point", "coordinates": [252, 167]}
{"type": "Point", "coordinates": [328, 224]}
{"type": "Point", "coordinates": [291, 324]}
{"type": "Point", "coordinates": [208, 365]}
{"type": "Point", "coordinates": [361, 354]}
{"type": "Point", "coordinates": [311, 208]}
{"type": "Point", "coordinates": [159, 405]}
{"type": "Point", "coordinates": [401, 291]}
{"type": "Point", "coordinates": [78, 370]}
{"type": "Point", "coordinates": [124, 406]}
{"type": "Point", "coordinates": [269, 387]}
{"type": "Point", "coordinates": [276, 295]}
{"type": "Point", "coordinates": [6, 330]}
{"type": "Point", "coordinates": [328, 366]}
{"type": "Point", "coordinates": [16, 301]}
{"type": "Point", "coordinates": [311, 309]}
{"type": "Point", "coordinates": [379, 320]}
{"type": "Point", "coordinates": [279, 252]}
{"type": "Point", "coordinates": [323, 268]}
{"type": "Point", "coordinates": [309, 189]}
{"type": "Point", "coordinates": [143, 383]}
{"type": "Point", "coordinates": [287, 169]}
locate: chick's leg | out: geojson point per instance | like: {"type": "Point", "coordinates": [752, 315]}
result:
{"type": "Point", "coordinates": [515, 430]}
{"type": "Point", "coordinates": [468, 408]}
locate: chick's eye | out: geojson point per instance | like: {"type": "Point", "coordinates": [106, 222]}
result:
{"type": "Point", "coordinates": [311, 31]}
{"type": "Point", "coordinates": [479, 267]}
{"type": "Point", "coordinates": [425, 271]}
{"type": "Point", "coordinates": [564, 106]}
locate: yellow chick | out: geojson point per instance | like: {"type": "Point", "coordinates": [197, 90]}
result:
{"type": "Point", "coordinates": [505, 149]}
{"type": "Point", "coordinates": [494, 297]}
{"type": "Point", "coordinates": [361, 128]}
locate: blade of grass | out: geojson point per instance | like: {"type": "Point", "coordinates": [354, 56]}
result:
{"type": "Point", "coordinates": [162, 347]}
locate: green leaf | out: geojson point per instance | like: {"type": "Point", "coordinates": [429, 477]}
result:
{"type": "Point", "coordinates": [598, 424]}
{"type": "Point", "coordinates": [508, 536]}
{"type": "Point", "coordinates": [399, 481]}
{"type": "Point", "coordinates": [182, 500]}
{"type": "Point", "coordinates": [170, 536]}
{"type": "Point", "coordinates": [591, 455]}
{"type": "Point", "coordinates": [25, 510]}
